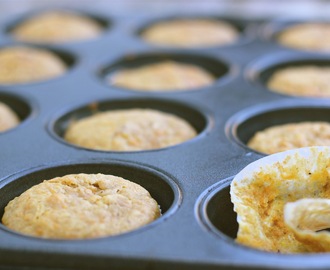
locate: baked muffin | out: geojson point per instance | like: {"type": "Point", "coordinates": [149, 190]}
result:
{"type": "Point", "coordinates": [308, 81]}
{"type": "Point", "coordinates": [307, 36]}
{"type": "Point", "coordinates": [25, 64]}
{"type": "Point", "coordinates": [162, 76]}
{"type": "Point", "coordinates": [191, 33]}
{"type": "Point", "coordinates": [8, 118]}
{"type": "Point", "coordinates": [290, 136]}
{"type": "Point", "coordinates": [129, 130]}
{"type": "Point", "coordinates": [57, 27]}
{"type": "Point", "coordinates": [80, 206]}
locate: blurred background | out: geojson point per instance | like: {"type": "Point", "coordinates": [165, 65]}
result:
{"type": "Point", "coordinates": [259, 8]}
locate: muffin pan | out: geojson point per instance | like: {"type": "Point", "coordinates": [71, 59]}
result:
{"type": "Point", "coordinates": [190, 181]}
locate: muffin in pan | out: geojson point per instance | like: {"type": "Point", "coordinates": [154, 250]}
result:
{"type": "Point", "coordinates": [191, 33]}
{"type": "Point", "coordinates": [313, 36]}
{"type": "Point", "coordinates": [162, 76]}
{"type": "Point", "coordinates": [57, 27]}
{"type": "Point", "coordinates": [129, 130]}
{"type": "Point", "coordinates": [79, 206]}
{"type": "Point", "coordinates": [306, 80]}
{"type": "Point", "coordinates": [21, 64]}
{"type": "Point", "coordinates": [290, 136]}
{"type": "Point", "coordinates": [8, 118]}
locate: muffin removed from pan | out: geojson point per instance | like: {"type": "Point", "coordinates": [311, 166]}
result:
{"type": "Point", "coordinates": [57, 27]}
{"type": "Point", "coordinates": [274, 198]}
{"type": "Point", "coordinates": [191, 33]}
{"type": "Point", "coordinates": [79, 206]}
{"type": "Point", "coordinates": [290, 136]}
{"type": "Point", "coordinates": [21, 64]}
{"type": "Point", "coordinates": [162, 76]}
{"type": "Point", "coordinates": [307, 81]}
{"type": "Point", "coordinates": [307, 36]}
{"type": "Point", "coordinates": [8, 118]}
{"type": "Point", "coordinates": [129, 130]}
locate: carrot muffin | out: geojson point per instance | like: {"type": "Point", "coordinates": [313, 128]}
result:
{"type": "Point", "coordinates": [57, 27]}
{"type": "Point", "coordinates": [163, 76]}
{"type": "Point", "coordinates": [308, 81]}
{"type": "Point", "coordinates": [191, 33]}
{"type": "Point", "coordinates": [289, 136]}
{"type": "Point", "coordinates": [25, 64]}
{"type": "Point", "coordinates": [307, 36]}
{"type": "Point", "coordinates": [8, 118]}
{"type": "Point", "coordinates": [129, 130]}
{"type": "Point", "coordinates": [80, 206]}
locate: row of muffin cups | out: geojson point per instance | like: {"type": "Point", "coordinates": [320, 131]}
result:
{"type": "Point", "coordinates": [239, 128]}
{"type": "Point", "coordinates": [247, 28]}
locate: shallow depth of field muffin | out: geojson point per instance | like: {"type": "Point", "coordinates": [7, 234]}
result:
{"type": "Point", "coordinates": [191, 33]}
{"type": "Point", "coordinates": [57, 27]}
{"type": "Point", "coordinates": [8, 118]}
{"type": "Point", "coordinates": [129, 130]}
{"type": "Point", "coordinates": [308, 81]}
{"type": "Point", "coordinates": [163, 76]}
{"type": "Point", "coordinates": [307, 36]}
{"type": "Point", "coordinates": [25, 64]}
{"type": "Point", "coordinates": [80, 206]}
{"type": "Point", "coordinates": [289, 136]}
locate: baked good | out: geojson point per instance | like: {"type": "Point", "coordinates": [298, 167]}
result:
{"type": "Point", "coordinates": [79, 206]}
{"type": "Point", "coordinates": [191, 33]}
{"type": "Point", "coordinates": [8, 118]}
{"type": "Point", "coordinates": [129, 130]}
{"type": "Point", "coordinates": [25, 64]}
{"type": "Point", "coordinates": [162, 76]}
{"type": "Point", "coordinates": [307, 36]}
{"type": "Point", "coordinates": [57, 27]}
{"type": "Point", "coordinates": [307, 81]}
{"type": "Point", "coordinates": [289, 136]}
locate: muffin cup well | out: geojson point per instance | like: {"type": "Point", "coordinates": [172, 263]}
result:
{"type": "Point", "coordinates": [260, 71]}
{"type": "Point", "coordinates": [242, 126]}
{"type": "Point", "coordinates": [160, 186]}
{"type": "Point", "coordinates": [197, 118]}
{"type": "Point", "coordinates": [216, 211]}
{"type": "Point", "coordinates": [218, 68]}
{"type": "Point", "coordinates": [10, 25]}
{"type": "Point", "coordinates": [245, 28]}
{"type": "Point", "coordinates": [272, 30]}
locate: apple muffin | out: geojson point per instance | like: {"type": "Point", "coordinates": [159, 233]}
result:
{"type": "Point", "coordinates": [8, 118]}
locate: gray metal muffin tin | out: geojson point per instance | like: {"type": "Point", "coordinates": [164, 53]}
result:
{"type": "Point", "coordinates": [190, 181]}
